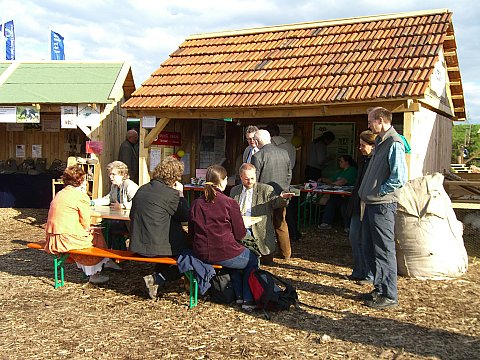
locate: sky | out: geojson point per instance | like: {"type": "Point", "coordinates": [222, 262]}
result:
{"type": "Point", "coordinates": [145, 32]}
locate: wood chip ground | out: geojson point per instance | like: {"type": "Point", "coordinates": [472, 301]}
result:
{"type": "Point", "coordinates": [435, 320]}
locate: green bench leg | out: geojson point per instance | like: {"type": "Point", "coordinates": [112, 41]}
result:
{"type": "Point", "coordinates": [193, 289]}
{"type": "Point", "coordinates": [58, 267]}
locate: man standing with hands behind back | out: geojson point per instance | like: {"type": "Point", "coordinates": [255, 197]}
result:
{"type": "Point", "coordinates": [273, 168]}
{"type": "Point", "coordinates": [386, 173]}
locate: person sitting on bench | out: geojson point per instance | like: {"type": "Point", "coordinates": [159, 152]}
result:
{"type": "Point", "coordinates": [217, 227]}
{"type": "Point", "coordinates": [68, 225]}
{"type": "Point", "coordinates": [120, 196]}
{"type": "Point", "coordinates": [156, 217]}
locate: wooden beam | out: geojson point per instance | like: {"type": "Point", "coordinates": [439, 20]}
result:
{"type": "Point", "coordinates": [155, 131]}
{"type": "Point", "coordinates": [320, 110]}
{"type": "Point", "coordinates": [143, 174]}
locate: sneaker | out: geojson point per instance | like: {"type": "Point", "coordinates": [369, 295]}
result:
{"type": "Point", "coordinates": [248, 306]}
{"type": "Point", "coordinates": [112, 265]}
{"type": "Point", "coordinates": [239, 301]}
{"type": "Point", "coordinates": [382, 302]}
{"type": "Point", "coordinates": [324, 226]}
{"type": "Point", "coordinates": [98, 278]}
{"type": "Point", "coordinates": [152, 287]}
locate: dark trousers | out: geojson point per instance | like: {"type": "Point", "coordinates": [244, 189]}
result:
{"type": "Point", "coordinates": [291, 217]}
{"type": "Point", "coordinates": [336, 202]}
{"type": "Point", "coordinates": [378, 240]}
{"type": "Point", "coordinates": [169, 272]}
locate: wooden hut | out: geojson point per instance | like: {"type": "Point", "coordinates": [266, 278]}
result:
{"type": "Point", "coordinates": [310, 77]}
{"type": "Point", "coordinates": [50, 109]}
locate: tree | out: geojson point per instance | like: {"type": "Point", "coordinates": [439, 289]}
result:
{"type": "Point", "coordinates": [466, 137]}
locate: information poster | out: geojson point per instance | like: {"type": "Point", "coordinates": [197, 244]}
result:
{"type": "Point", "coordinates": [20, 151]}
{"type": "Point", "coordinates": [36, 151]}
{"type": "Point", "coordinates": [155, 157]}
{"type": "Point", "coordinates": [344, 143]}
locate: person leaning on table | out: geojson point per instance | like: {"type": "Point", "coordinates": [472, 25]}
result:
{"type": "Point", "coordinates": [157, 213]}
{"type": "Point", "coordinates": [68, 225]}
{"type": "Point", "coordinates": [217, 228]}
{"type": "Point", "coordinates": [257, 199]}
{"type": "Point", "coordinates": [120, 196]}
{"type": "Point", "coordinates": [122, 190]}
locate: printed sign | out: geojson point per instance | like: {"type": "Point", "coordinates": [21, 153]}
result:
{"type": "Point", "coordinates": [168, 138]}
{"type": "Point", "coordinates": [8, 114]}
{"type": "Point", "coordinates": [68, 117]}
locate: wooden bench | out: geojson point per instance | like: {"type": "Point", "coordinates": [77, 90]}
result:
{"type": "Point", "coordinates": [59, 261]}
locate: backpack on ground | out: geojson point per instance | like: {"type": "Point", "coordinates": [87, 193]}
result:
{"type": "Point", "coordinates": [221, 290]}
{"type": "Point", "coordinates": [271, 292]}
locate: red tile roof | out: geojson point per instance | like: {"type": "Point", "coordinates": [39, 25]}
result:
{"type": "Point", "coordinates": [319, 63]}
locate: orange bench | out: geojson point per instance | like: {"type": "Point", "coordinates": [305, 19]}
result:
{"type": "Point", "coordinates": [59, 261]}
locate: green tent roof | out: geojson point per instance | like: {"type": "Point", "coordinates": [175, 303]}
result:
{"type": "Point", "coordinates": [58, 82]}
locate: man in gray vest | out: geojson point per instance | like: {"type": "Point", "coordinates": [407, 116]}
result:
{"type": "Point", "coordinates": [386, 173]}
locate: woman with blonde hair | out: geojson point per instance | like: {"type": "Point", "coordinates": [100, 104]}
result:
{"type": "Point", "coordinates": [68, 225]}
{"type": "Point", "coordinates": [120, 196]}
{"type": "Point", "coordinates": [217, 228]}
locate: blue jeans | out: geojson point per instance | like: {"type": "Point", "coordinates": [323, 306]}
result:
{"type": "Point", "coordinates": [335, 202]}
{"type": "Point", "coordinates": [378, 226]}
{"type": "Point", "coordinates": [246, 261]}
{"type": "Point", "coordinates": [360, 268]}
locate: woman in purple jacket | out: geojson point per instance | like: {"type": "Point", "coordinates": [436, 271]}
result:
{"type": "Point", "coordinates": [217, 227]}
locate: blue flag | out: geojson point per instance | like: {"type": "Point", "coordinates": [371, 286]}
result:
{"type": "Point", "coordinates": [9, 33]}
{"type": "Point", "coordinates": [57, 49]}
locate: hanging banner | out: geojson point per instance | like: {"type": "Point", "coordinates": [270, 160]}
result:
{"type": "Point", "coordinates": [28, 115]}
{"type": "Point", "coordinates": [8, 114]}
{"type": "Point", "coordinates": [88, 115]}
{"type": "Point", "coordinates": [68, 117]}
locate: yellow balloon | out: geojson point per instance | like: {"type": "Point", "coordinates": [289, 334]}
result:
{"type": "Point", "coordinates": [180, 153]}
{"type": "Point", "coordinates": [297, 141]}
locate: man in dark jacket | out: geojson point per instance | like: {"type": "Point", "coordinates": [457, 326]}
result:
{"type": "Point", "coordinates": [128, 154]}
{"type": "Point", "coordinates": [158, 209]}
